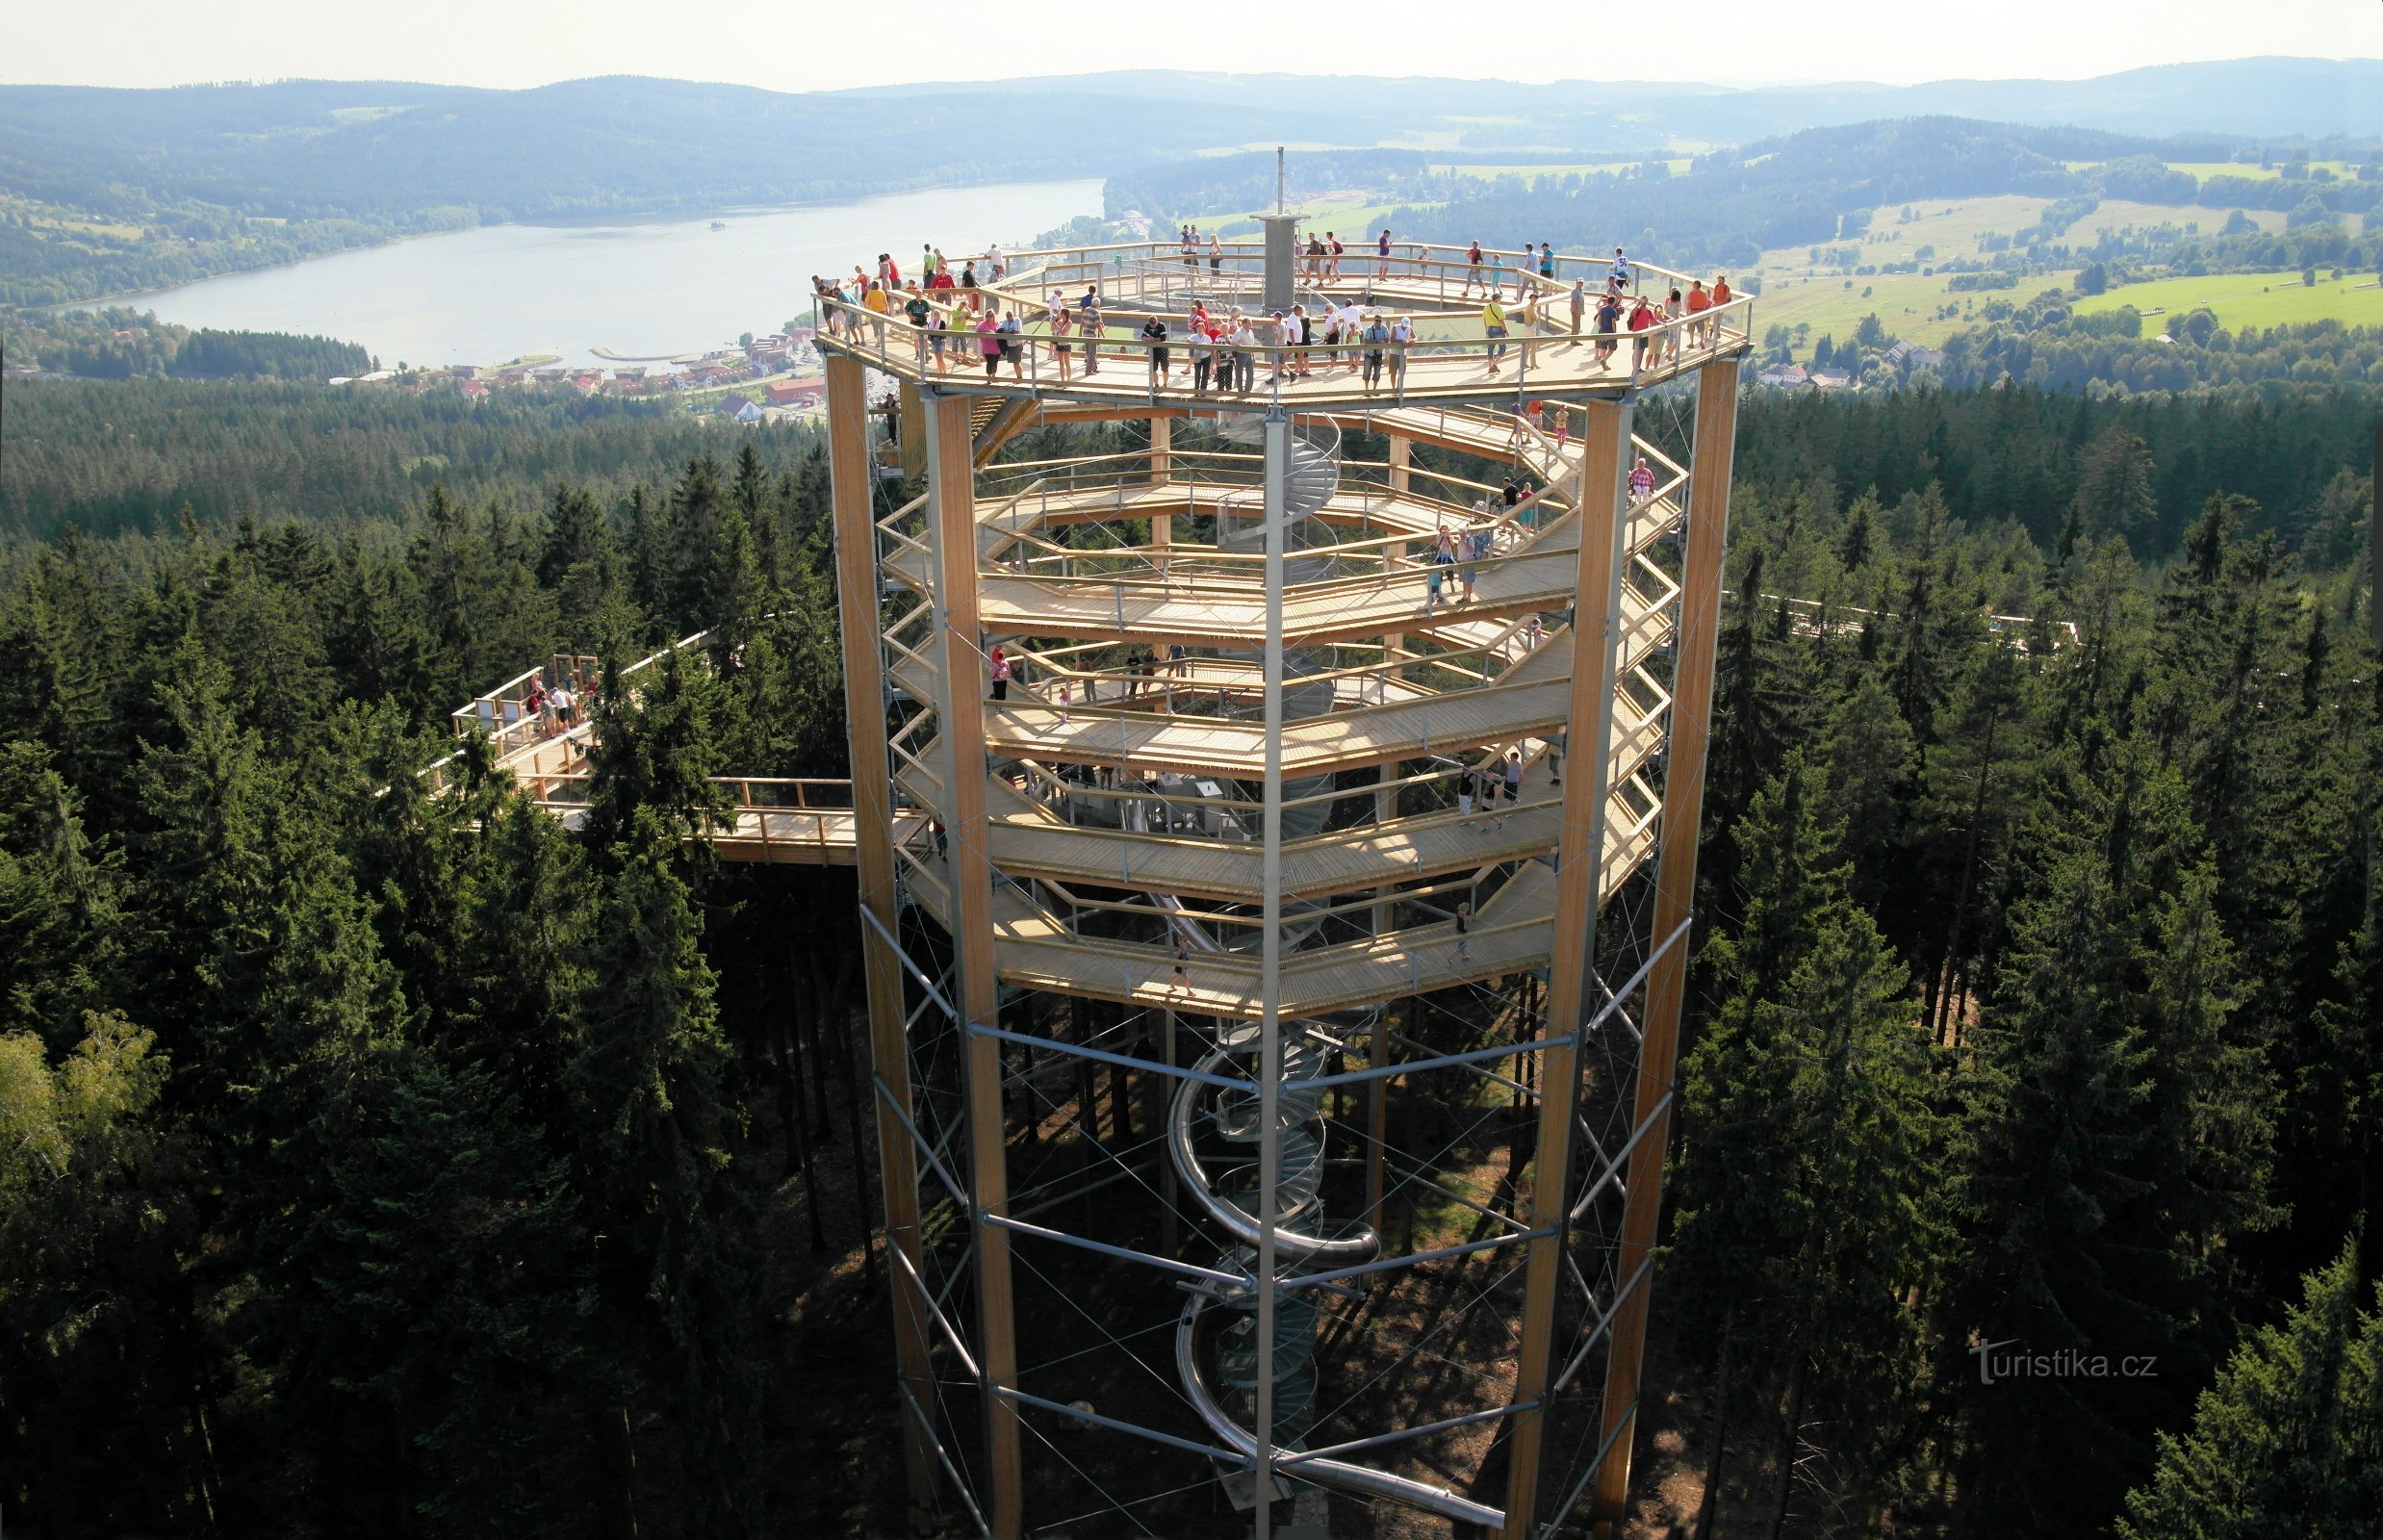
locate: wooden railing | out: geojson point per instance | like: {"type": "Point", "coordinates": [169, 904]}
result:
{"type": "Point", "coordinates": [1028, 356]}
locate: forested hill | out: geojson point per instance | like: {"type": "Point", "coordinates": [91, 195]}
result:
{"type": "Point", "coordinates": [401, 1167]}
{"type": "Point", "coordinates": [1731, 204]}
{"type": "Point", "coordinates": [108, 192]}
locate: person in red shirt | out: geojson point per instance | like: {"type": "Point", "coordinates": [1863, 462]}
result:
{"type": "Point", "coordinates": [1642, 317]}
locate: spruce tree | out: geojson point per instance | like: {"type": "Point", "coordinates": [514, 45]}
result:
{"type": "Point", "coordinates": [2289, 1439]}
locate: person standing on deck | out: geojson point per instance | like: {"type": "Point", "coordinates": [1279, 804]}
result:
{"type": "Point", "coordinates": [992, 260]}
{"type": "Point", "coordinates": [1062, 327]}
{"type": "Point", "coordinates": [1547, 259]}
{"type": "Point", "coordinates": [1494, 327]}
{"type": "Point", "coordinates": [1698, 303]}
{"type": "Point", "coordinates": [1401, 337]}
{"type": "Point", "coordinates": [1375, 337]}
{"type": "Point", "coordinates": [877, 304]}
{"type": "Point", "coordinates": [988, 341]}
{"type": "Point", "coordinates": [1089, 322]}
{"type": "Point", "coordinates": [1381, 249]}
{"type": "Point", "coordinates": [1497, 274]}
{"type": "Point", "coordinates": [1332, 244]}
{"type": "Point", "coordinates": [1642, 318]}
{"type": "Point", "coordinates": [1154, 332]}
{"type": "Point", "coordinates": [1620, 275]}
{"type": "Point", "coordinates": [1001, 674]}
{"type": "Point", "coordinates": [1514, 777]}
{"type": "Point", "coordinates": [1190, 249]}
{"type": "Point", "coordinates": [1242, 358]}
{"type": "Point", "coordinates": [1608, 319]}
{"type": "Point", "coordinates": [1464, 929]}
{"type": "Point", "coordinates": [1012, 342]}
{"type": "Point", "coordinates": [1472, 271]}
{"type": "Point", "coordinates": [1216, 253]}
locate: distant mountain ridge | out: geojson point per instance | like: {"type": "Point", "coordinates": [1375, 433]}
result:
{"type": "Point", "coordinates": [131, 189]}
{"type": "Point", "coordinates": [316, 148]}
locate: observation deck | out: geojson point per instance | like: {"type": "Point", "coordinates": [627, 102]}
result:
{"type": "Point", "coordinates": [1435, 287]}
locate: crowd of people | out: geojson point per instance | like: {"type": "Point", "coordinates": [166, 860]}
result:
{"type": "Point", "coordinates": [964, 323]}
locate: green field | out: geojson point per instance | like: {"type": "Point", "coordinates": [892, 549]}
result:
{"type": "Point", "coordinates": [1912, 305]}
{"type": "Point", "coordinates": [2203, 171]}
{"type": "Point", "coordinates": [2253, 298]}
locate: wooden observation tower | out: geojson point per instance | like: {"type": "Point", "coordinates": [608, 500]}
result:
{"type": "Point", "coordinates": [1272, 1129]}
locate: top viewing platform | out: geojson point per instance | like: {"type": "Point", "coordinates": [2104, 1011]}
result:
{"type": "Point", "coordinates": [1160, 324]}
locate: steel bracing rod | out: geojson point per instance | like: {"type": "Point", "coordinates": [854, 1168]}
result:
{"type": "Point", "coordinates": [852, 482]}
{"type": "Point", "coordinates": [904, 958]}
{"type": "Point", "coordinates": [1079, 1050]}
{"type": "Point", "coordinates": [1592, 1335]}
{"type": "Point", "coordinates": [1396, 1436]}
{"type": "Point", "coordinates": [1613, 1163]}
{"type": "Point", "coordinates": [951, 1333]}
{"type": "Point", "coordinates": [1675, 891]}
{"type": "Point", "coordinates": [1572, 1499]}
{"type": "Point", "coordinates": [1312, 1280]}
{"type": "Point", "coordinates": [925, 1428]}
{"type": "Point", "coordinates": [1122, 1253]}
{"type": "Point", "coordinates": [953, 1184]}
{"type": "Point", "coordinates": [1234, 1457]}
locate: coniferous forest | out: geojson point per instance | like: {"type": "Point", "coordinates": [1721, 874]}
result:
{"type": "Point", "coordinates": [376, 1163]}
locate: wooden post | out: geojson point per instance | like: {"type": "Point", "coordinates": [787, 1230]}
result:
{"type": "Point", "coordinates": [852, 476]}
{"type": "Point", "coordinates": [952, 502]}
{"type": "Point", "coordinates": [1579, 861]}
{"type": "Point", "coordinates": [1378, 1090]}
{"type": "Point", "coordinates": [1162, 472]}
{"type": "Point", "coordinates": [1674, 894]}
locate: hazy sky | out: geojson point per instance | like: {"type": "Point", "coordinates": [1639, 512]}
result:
{"type": "Point", "coordinates": [807, 45]}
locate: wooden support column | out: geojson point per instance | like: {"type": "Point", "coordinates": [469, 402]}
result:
{"type": "Point", "coordinates": [1378, 1090]}
{"type": "Point", "coordinates": [1402, 452]}
{"type": "Point", "coordinates": [1162, 472]}
{"type": "Point", "coordinates": [1674, 896]}
{"type": "Point", "coordinates": [851, 479]}
{"type": "Point", "coordinates": [951, 520]}
{"type": "Point", "coordinates": [1581, 854]}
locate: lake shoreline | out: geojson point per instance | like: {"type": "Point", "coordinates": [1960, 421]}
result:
{"type": "Point", "coordinates": [654, 285]}
{"type": "Point", "coordinates": [591, 222]}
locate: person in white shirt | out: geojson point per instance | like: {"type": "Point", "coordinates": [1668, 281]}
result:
{"type": "Point", "coordinates": [1621, 269]}
{"type": "Point", "coordinates": [1241, 362]}
{"type": "Point", "coordinates": [1401, 337]}
{"type": "Point", "coordinates": [992, 258]}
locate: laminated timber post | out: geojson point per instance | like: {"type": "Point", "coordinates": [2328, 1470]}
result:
{"type": "Point", "coordinates": [1683, 805]}
{"type": "Point", "coordinates": [951, 522]}
{"type": "Point", "coordinates": [852, 478]}
{"type": "Point", "coordinates": [1580, 858]}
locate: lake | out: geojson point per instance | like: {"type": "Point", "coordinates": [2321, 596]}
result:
{"type": "Point", "coordinates": [642, 289]}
